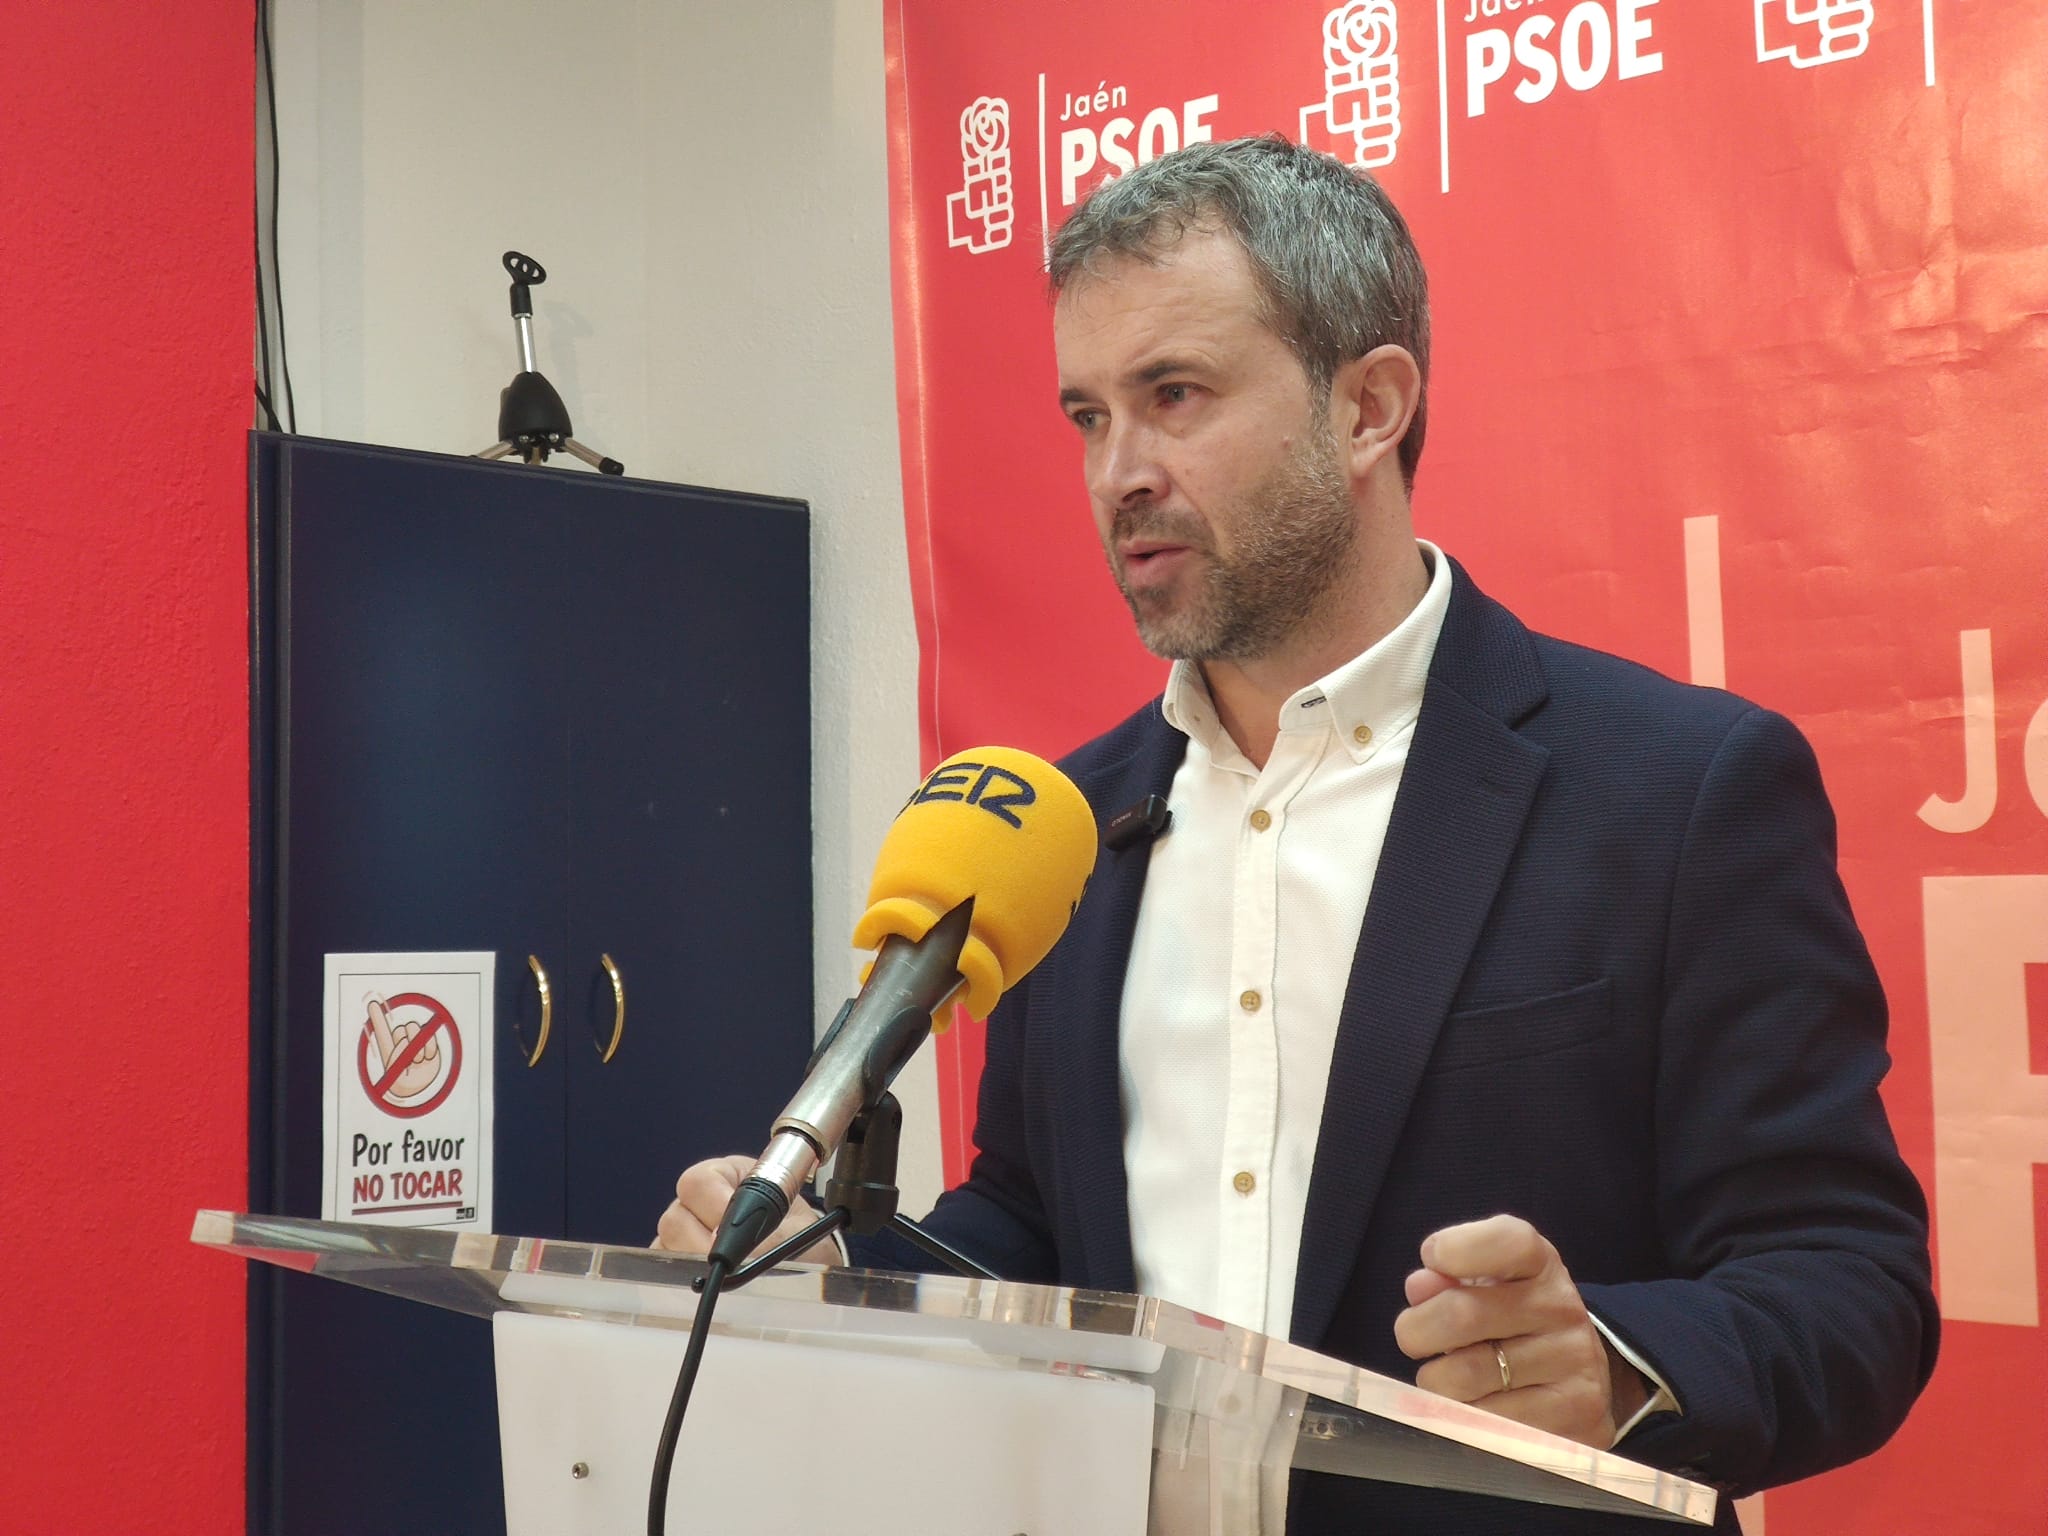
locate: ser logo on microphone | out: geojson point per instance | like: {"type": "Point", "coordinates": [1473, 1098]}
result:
{"type": "Point", "coordinates": [996, 790]}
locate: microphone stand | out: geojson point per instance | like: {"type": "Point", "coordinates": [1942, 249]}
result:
{"type": "Point", "coordinates": [861, 1198]}
{"type": "Point", "coordinates": [532, 421]}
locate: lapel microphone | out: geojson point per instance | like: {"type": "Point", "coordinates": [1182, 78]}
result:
{"type": "Point", "coordinates": [1147, 821]}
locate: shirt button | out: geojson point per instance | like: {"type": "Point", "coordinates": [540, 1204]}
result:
{"type": "Point", "coordinates": [1362, 735]}
{"type": "Point", "coordinates": [1248, 1001]}
{"type": "Point", "coordinates": [1244, 1183]}
{"type": "Point", "coordinates": [1261, 819]}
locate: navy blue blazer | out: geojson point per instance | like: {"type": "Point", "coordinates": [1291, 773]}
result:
{"type": "Point", "coordinates": [1608, 980]}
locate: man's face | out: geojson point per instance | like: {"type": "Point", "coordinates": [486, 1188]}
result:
{"type": "Point", "coordinates": [1223, 506]}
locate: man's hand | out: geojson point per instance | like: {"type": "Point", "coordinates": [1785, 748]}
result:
{"type": "Point", "coordinates": [702, 1194]}
{"type": "Point", "coordinates": [1499, 1283]}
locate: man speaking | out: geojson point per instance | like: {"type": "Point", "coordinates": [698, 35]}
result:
{"type": "Point", "coordinates": [1491, 1011]}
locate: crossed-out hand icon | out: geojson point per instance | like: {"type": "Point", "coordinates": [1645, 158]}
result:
{"type": "Point", "coordinates": [1811, 32]}
{"type": "Point", "coordinates": [418, 1074]}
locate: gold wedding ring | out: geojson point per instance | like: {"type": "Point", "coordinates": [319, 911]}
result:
{"type": "Point", "coordinates": [1507, 1376]}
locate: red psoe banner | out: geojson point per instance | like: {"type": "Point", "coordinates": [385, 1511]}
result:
{"type": "Point", "coordinates": [1741, 353]}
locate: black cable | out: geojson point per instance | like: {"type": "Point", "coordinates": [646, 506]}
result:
{"type": "Point", "coordinates": [672, 1427]}
{"type": "Point", "coordinates": [284, 356]}
{"type": "Point", "coordinates": [263, 373]}
{"type": "Point", "coordinates": [263, 343]}
{"type": "Point", "coordinates": [262, 305]}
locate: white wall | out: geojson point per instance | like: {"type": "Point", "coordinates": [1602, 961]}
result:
{"type": "Point", "coordinates": [706, 185]}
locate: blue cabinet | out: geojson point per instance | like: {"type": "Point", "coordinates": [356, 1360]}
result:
{"type": "Point", "coordinates": [543, 714]}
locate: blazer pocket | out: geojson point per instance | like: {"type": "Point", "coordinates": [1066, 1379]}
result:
{"type": "Point", "coordinates": [1481, 1037]}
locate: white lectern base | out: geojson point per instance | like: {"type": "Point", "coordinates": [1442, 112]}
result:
{"type": "Point", "coordinates": [788, 1438]}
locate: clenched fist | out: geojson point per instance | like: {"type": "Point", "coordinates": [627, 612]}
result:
{"type": "Point", "coordinates": [1494, 1314]}
{"type": "Point", "coordinates": [702, 1194]}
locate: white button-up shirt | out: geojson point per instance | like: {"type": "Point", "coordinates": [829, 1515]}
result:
{"type": "Point", "coordinates": [1252, 911]}
{"type": "Point", "coordinates": [1253, 906]}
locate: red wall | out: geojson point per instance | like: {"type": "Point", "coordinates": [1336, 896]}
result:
{"type": "Point", "coordinates": [126, 154]}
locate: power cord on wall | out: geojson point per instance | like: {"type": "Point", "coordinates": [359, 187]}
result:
{"type": "Point", "coordinates": [266, 379]}
{"type": "Point", "coordinates": [263, 345]}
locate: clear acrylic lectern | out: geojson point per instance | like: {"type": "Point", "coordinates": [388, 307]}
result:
{"type": "Point", "coordinates": [848, 1400]}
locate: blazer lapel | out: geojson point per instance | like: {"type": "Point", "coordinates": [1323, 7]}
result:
{"type": "Point", "coordinates": [1088, 985]}
{"type": "Point", "coordinates": [1465, 793]}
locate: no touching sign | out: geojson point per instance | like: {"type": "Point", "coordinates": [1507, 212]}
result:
{"type": "Point", "coordinates": [407, 1077]}
{"type": "Point", "coordinates": [414, 1072]}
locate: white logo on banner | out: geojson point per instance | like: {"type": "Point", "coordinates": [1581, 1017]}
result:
{"type": "Point", "coordinates": [1361, 80]}
{"type": "Point", "coordinates": [979, 215]}
{"type": "Point", "coordinates": [1124, 142]}
{"type": "Point", "coordinates": [1810, 32]}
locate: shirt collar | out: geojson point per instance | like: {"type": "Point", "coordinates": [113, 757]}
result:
{"type": "Point", "coordinates": [1366, 701]}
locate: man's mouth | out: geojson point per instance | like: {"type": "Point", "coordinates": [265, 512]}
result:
{"type": "Point", "coordinates": [1140, 553]}
{"type": "Point", "coordinates": [1148, 564]}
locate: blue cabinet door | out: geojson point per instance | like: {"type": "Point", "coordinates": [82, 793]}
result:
{"type": "Point", "coordinates": [689, 848]}
{"type": "Point", "coordinates": [415, 797]}
{"type": "Point", "coordinates": [424, 780]}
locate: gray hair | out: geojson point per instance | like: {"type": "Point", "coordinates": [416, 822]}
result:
{"type": "Point", "coordinates": [1337, 270]}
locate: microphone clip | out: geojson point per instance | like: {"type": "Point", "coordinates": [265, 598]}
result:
{"type": "Point", "coordinates": [863, 1181]}
{"type": "Point", "coordinates": [1147, 821]}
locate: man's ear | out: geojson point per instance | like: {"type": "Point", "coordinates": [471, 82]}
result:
{"type": "Point", "coordinates": [1372, 400]}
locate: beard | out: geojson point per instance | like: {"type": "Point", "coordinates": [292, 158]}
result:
{"type": "Point", "coordinates": [1294, 534]}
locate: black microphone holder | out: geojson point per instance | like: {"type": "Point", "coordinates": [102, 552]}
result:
{"type": "Point", "coordinates": [532, 420]}
{"type": "Point", "coordinates": [861, 1196]}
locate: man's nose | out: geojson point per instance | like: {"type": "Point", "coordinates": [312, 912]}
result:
{"type": "Point", "coordinates": [1129, 469]}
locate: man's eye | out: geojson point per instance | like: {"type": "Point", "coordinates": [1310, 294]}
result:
{"type": "Point", "coordinates": [1174, 394]}
{"type": "Point", "coordinates": [1085, 420]}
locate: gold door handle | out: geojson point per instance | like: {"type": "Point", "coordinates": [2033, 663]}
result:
{"type": "Point", "coordinates": [606, 1052]}
{"type": "Point", "coordinates": [547, 1013]}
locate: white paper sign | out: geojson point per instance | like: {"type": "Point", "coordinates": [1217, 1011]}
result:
{"type": "Point", "coordinates": [408, 1088]}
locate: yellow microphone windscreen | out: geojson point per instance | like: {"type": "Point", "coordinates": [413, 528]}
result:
{"type": "Point", "coordinates": [1004, 827]}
